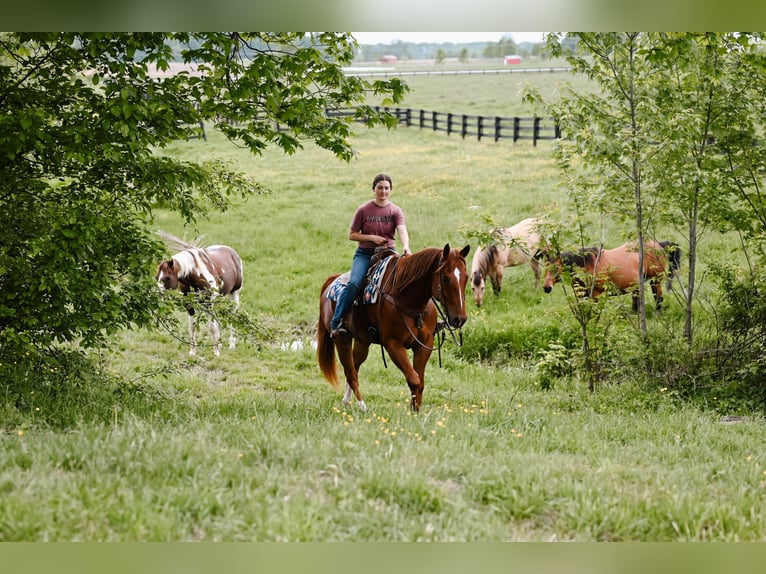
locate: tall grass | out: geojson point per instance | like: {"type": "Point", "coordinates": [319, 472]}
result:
{"type": "Point", "coordinates": [255, 446]}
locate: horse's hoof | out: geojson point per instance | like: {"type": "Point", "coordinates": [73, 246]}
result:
{"type": "Point", "coordinates": [362, 406]}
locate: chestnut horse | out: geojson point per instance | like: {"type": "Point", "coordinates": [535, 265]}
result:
{"type": "Point", "coordinates": [403, 316]}
{"type": "Point", "coordinates": [618, 268]}
{"type": "Point", "coordinates": [217, 269]}
{"type": "Point", "coordinates": [517, 245]}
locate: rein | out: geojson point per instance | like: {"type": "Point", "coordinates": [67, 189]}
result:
{"type": "Point", "coordinates": [418, 316]}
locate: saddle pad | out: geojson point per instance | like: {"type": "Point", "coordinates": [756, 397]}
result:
{"type": "Point", "coordinates": [335, 288]}
{"type": "Point", "coordinates": [372, 288]}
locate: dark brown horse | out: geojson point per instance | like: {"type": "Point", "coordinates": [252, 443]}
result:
{"type": "Point", "coordinates": [617, 268]}
{"type": "Point", "coordinates": [217, 269]}
{"type": "Point", "coordinates": [402, 317]}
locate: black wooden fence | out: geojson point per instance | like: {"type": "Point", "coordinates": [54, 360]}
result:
{"type": "Point", "coordinates": [480, 127]}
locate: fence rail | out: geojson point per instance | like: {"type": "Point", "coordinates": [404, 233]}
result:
{"type": "Point", "coordinates": [480, 127]}
{"type": "Point", "coordinates": [391, 73]}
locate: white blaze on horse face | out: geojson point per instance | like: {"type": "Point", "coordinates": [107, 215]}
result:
{"type": "Point", "coordinates": [456, 272]}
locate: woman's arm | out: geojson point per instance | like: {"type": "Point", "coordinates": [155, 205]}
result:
{"type": "Point", "coordinates": [404, 237]}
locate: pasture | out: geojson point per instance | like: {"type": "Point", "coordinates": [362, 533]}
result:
{"type": "Point", "coordinates": [255, 445]}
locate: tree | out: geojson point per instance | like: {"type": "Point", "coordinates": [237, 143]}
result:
{"type": "Point", "coordinates": [668, 135]}
{"type": "Point", "coordinates": [608, 130]}
{"type": "Point", "coordinates": [83, 124]}
{"type": "Point", "coordinates": [503, 47]}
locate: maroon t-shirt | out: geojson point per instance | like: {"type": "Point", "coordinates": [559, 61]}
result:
{"type": "Point", "coordinates": [371, 219]}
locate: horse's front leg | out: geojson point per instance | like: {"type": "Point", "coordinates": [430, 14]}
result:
{"type": "Point", "coordinates": [657, 290]}
{"type": "Point", "coordinates": [232, 335]}
{"type": "Point", "coordinates": [420, 360]}
{"type": "Point", "coordinates": [192, 334]}
{"type": "Point", "coordinates": [215, 332]}
{"type": "Point", "coordinates": [498, 285]}
{"type": "Point", "coordinates": [399, 357]}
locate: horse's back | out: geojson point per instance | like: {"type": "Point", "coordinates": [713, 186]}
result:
{"type": "Point", "coordinates": [525, 233]}
{"type": "Point", "coordinates": [621, 263]}
{"type": "Point", "coordinates": [229, 265]}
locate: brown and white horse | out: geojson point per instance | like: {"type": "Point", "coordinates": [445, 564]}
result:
{"type": "Point", "coordinates": [602, 269]}
{"type": "Point", "coordinates": [516, 245]}
{"type": "Point", "coordinates": [217, 269]}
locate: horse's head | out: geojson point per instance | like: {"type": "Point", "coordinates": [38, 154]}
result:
{"type": "Point", "coordinates": [449, 282]}
{"type": "Point", "coordinates": [552, 272]}
{"type": "Point", "coordinates": [167, 275]}
{"type": "Point", "coordinates": [477, 286]}
{"type": "Point", "coordinates": [568, 260]}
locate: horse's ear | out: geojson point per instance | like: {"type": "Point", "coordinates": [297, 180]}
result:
{"type": "Point", "coordinates": [446, 252]}
{"type": "Point", "coordinates": [464, 252]}
{"type": "Point", "coordinates": [170, 263]}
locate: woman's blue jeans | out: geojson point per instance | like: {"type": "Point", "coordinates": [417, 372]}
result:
{"type": "Point", "coordinates": [359, 268]}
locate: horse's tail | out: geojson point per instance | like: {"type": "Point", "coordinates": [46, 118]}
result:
{"type": "Point", "coordinates": [179, 243]}
{"type": "Point", "coordinates": [325, 345]}
{"type": "Point", "coordinates": [673, 251]}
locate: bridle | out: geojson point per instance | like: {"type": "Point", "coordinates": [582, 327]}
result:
{"type": "Point", "coordinates": [418, 316]}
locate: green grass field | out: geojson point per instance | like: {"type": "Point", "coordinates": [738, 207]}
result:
{"type": "Point", "coordinates": [256, 446]}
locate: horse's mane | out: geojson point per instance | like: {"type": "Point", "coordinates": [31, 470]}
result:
{"type": "Point", "coordinates": [412, 267]}
{"type": "Point", "coordinates": [484, 259]}
{"type": "Point", "coordinates": [190, 251]}
{"type": "Point", "coordinates": [584, 256]}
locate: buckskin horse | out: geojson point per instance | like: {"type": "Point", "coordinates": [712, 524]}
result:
{"type": "Point", "coordinates": [517, 245]}
{"type": "Point", "coordinates": [216, 269]}
{"type": "Point", "coordinates": [617, 268]}
{"type": "Point", "coordinates": [402, 316]}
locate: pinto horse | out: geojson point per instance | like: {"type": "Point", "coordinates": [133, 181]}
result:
{"type": "Point", "coordinates": [617, 268]}
{"type": "Point", "coordinates": [216, 269]}
{"type": "Point", "coordinates": [403, 316]}
{"type": "Point", "coordinates": [518, 245]}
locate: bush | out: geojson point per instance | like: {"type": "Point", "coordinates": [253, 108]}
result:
{"type": "Point", "coordinates": [521, 339]}
{"type": "Point", "coordinates": [740, 350]}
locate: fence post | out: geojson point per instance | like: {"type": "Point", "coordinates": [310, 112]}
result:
{"type": "Point", "coordinates": [480, 126]}
{"type": "Point", "coordinates": [422, 118]}
{"type": "Point", "coordinates": [536, 131]}
{"type": "Point", "coordinates": [516, 127]}
{"type": "Point", "coordinates": [498, 123]}
{"type": "Point", "coordinates": [464, 126]}
{"type": "Point", "coordinates": [449, 123]}
{"type": "Point", "coordinates": [434, 120]}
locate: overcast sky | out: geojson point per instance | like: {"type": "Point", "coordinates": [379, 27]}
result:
{"type": "Point", "coordinates": [456, 37]}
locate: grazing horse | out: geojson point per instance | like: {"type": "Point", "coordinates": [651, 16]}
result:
{"type": "Point", "coordinates": [517, 245]}
{"type": "Point", "coordinates": [402, 316]}
{"type": "Point", "coordinates": [216, 269]}
{"type": "Point", "coordinates": [617, 267]}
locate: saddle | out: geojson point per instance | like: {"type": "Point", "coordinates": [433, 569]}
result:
{"type": "Point", "coordinates": [371, 287]}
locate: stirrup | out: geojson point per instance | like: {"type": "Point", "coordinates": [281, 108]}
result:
{"type": "Point", "coordinates": [342, 330]}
